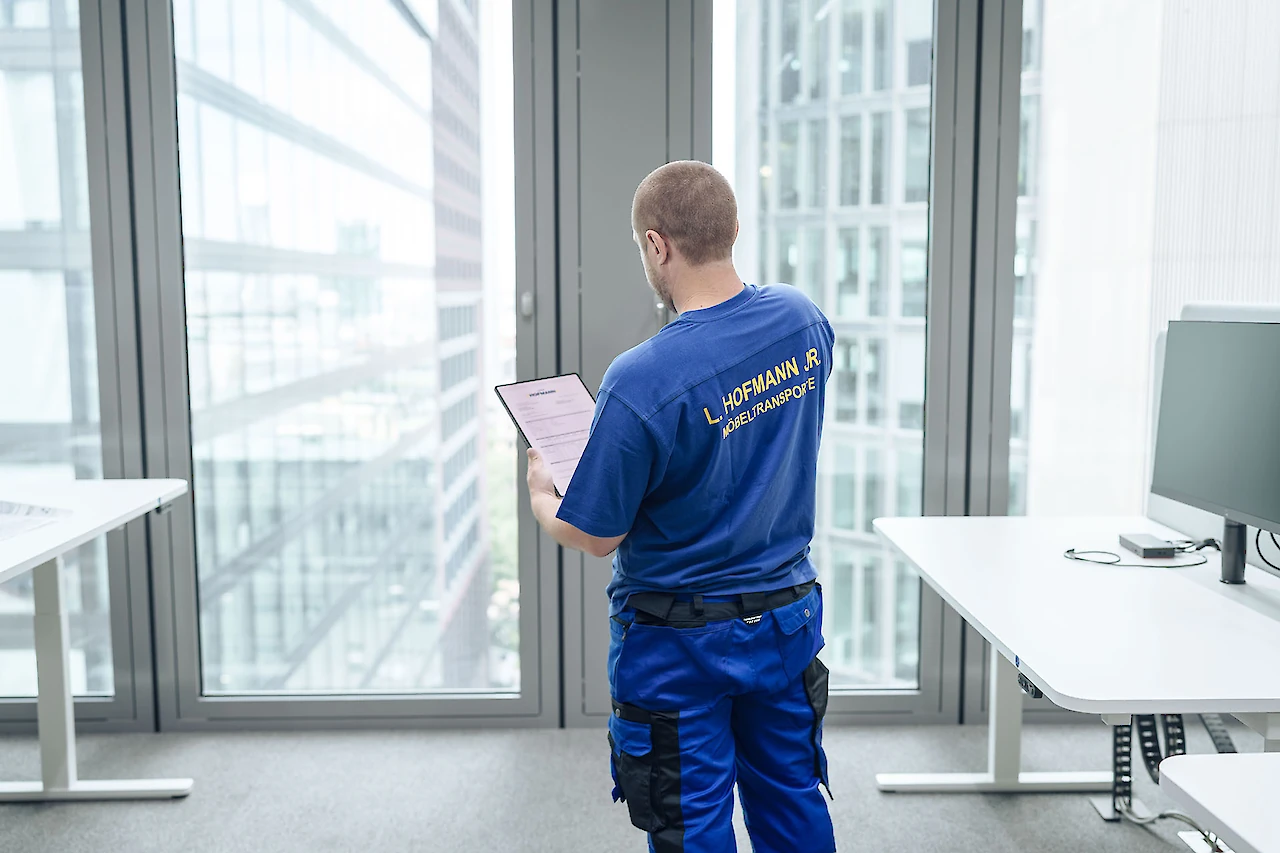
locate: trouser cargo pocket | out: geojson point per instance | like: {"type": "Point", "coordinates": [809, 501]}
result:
{"type": "Point", "coordinates": [816, 683]}
{"type": "Point", "coordinates": [632, 758]}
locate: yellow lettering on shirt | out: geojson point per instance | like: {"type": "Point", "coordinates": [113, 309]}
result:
{"type": "Point", "coordinates": [756, 386]}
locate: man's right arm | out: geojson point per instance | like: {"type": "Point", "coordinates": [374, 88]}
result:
{"type": "Point", "coordinates": [546, 504]}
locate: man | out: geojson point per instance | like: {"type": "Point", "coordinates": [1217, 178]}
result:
{"type": "Point", "coordinates": [700, 472]}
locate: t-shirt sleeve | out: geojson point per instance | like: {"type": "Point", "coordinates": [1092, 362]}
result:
{"type": "Point", "coordinates": [829, 336]}
{"type": "Point", "coordinates": [614, 473]}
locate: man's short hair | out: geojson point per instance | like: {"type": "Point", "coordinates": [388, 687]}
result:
{"type": "Point", "coordinates": [692, 205]}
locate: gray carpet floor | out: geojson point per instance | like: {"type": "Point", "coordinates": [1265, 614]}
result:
{"type": "Point", "coordinates": [517, 791]}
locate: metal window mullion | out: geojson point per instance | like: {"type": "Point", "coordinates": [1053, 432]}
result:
{"type": "Point", "coordinates": [1006, 243]}
{"type": "Point", "coordinates": [537, 337]}
{"type": "Point", "coordinates": [985, 262]}
{"type": "Point", "coordinates": [993, 288]}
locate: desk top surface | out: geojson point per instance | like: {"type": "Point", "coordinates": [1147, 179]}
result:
{"type": "Point", "coordinates": [1231, 795]}
{"type": "Point", "coordinates": [1103, 639]}
{"type": "Point", "coordinates": [94, 507]}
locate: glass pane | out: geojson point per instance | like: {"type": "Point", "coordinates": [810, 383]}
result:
{"type": "Point", "coordinates": [49, 419]}
{"type": "Point", "coordinates": [347, 220]}
{"type": "Point", "coordinates": [788, 164]}
{"type": "Point", "coordinates": [851, 160]}
{"type": "Point", "coordinates": [816, 188]}
{"type": "Point", "coordinates": [916, 157]}
{"type": "Point", "coordinates": [882, 48]}
{"type": "Point", "coordinates": [815, 277]}
{"type": "Point", "coordinates": [914, 262]}
{"type": "Point", "coordinates": [879, 156]}
{"type": "Point", "coordinates": [819, 62]}
{"type": "Point", "coordinates": [848, 303]}
{"type": "Point", "coordinates": [1169, 201]}
{"type": "Point", "coordinates": [860, 249]}
{"type": "Point", "coordinates": [851, 48]}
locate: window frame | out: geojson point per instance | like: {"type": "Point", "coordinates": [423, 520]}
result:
{"type": "Point", "coordinates": [182, 704]}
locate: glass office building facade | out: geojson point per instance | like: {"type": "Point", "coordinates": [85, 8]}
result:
{"type": "Point", "coordinates": [832, 173]}
{"type": "Point", "coordinates": [49, 412]}
{"type": "Point", "coordinates": [331, 181]}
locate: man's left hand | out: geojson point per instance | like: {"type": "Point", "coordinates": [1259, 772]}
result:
{"type": "Point", "coordinates": [539, 477]}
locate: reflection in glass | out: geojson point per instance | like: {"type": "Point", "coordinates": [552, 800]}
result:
{"type": "Point", "coordinates": [354, 488]}
{"type": "Point", "coordinates": [49, 417]}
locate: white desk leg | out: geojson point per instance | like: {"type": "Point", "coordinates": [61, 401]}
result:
{"type": "Point", "coordinates": [1004, 753]}
{"type": "Point", "coordinates": [1267, 725]}
{"type": "Point", "coordinates": [55, 714]}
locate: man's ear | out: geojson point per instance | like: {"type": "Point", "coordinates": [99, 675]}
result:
{"type": "Point", "coordinates": [659, 245]}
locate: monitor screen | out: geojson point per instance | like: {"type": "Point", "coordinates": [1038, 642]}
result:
{"type": "Point", "coordinates": [1218, 435]}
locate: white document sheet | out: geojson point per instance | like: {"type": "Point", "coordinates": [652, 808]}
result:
{"type": "Point", "coordinates": [16, 518]}
{"type": "Point", "coordinates": [554, 416]}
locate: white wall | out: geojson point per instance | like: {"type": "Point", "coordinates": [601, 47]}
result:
{"type": "Point", "coordinates": [1091, 339]}
{"type": "Point", "coordinates": [1160, 164]}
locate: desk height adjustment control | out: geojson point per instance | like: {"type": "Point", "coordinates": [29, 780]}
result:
{"type": "Point", "coordinates": [1029, 688]}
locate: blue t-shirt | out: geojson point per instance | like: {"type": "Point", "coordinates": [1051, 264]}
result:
{"type": "Point", "coordinates": [704, 450]}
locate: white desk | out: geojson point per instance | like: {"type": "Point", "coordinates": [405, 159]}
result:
{"type": "Point", "coordinates": [1098, 639]}
{"type": "Point", "coordinates": [96, 507]}
{"type": "Point", "coordinates": [1232, 796]}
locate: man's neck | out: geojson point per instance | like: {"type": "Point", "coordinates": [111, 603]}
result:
{"type": "Point", "coordinates": [709, 286]}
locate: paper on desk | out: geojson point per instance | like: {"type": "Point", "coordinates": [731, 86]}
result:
{"type": "Point", "coordinates": [16, 519]}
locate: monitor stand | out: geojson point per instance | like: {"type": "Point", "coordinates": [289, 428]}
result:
{"type": "Point", "coordinates": [1235, 547]}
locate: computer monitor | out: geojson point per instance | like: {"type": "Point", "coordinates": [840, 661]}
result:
{"type": "Point", "coordinates": [1218, 432]}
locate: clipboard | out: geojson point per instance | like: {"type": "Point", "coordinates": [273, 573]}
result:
{"type": "Point", "coordinates": [553, 415]}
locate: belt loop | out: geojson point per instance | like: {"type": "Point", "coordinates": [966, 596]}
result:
{"type": "Point", "coordinates": [697, 605]}
{"type": "Point", "coordinates": [795, 593]}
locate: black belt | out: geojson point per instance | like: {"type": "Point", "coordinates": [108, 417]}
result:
{"type": "Point", "coordinates": [664, 608]}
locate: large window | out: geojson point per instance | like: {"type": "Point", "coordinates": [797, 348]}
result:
{"type": "Point", "coordinates": [856, 73]}
{"type": "Point", "coordinates": [353, 484]}
{"type": "Point", "coordinates": [49, 419]}
{"type": "Point", "coordinates": [1147, 175]}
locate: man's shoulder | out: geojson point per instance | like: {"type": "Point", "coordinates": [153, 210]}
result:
{"type": "Point", "coordinates": [633, 371]}
{"type": "Point", "coordinates": [787, 297]}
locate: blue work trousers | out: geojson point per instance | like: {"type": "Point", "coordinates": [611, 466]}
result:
{"type": "Point", "coordinates": [698, 709]}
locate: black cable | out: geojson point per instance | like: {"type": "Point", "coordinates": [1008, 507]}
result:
{"type": "Point", "coordinates": [1257, 544]}
{"type": "Point", "coordinates": [1218, 732]}
{"type": "Point", "coordinates": [1186, 545]}
{"type": "Point", "coordinates": [1073, 554]}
